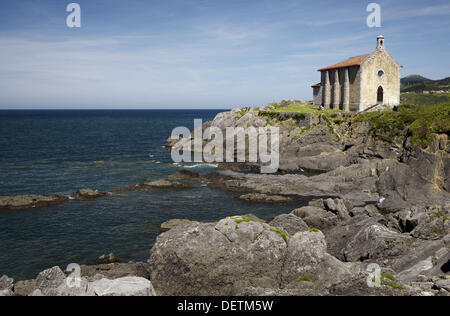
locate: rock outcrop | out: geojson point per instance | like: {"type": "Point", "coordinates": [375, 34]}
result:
{"type": "Point", "coordinates": [21, 202]}
{"type": "Point", "coordinates": [53, 282]}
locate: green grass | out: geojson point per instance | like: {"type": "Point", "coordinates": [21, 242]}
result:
{"type": "Point", "coordinates": [301, 108]}
{"type": "Point", "coordinates": [304, 278]}
{"type": "Point", "coordinates": [419, 122]}
{"type": "Point", "coordinates": [388, 276]}
{"type": "Point", "coordinates": [282, 233]}
{"type": "Point", "coordinates": [314, 230]}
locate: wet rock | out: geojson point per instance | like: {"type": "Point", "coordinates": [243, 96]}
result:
{"type": "Point", "coordinates": [264, 198]}
{"type": "Point", "coordinates": [88, 194]}
{"type": "Point", "coordinates": [6, 286]}
{"type": "Point", "coordinates": [22, 202]}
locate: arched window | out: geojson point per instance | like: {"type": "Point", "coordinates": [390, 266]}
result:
{"type": "Point", "coordinates": [380, 95]}
{"type": "Point", "coordinates": [381, 73]}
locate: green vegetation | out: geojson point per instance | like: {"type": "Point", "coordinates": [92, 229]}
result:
{"type": "Point", "coordinates": [241, 219]}
{"type": "Point", "coordinates": [296, 107]}
{"type": "Point", "coordinates": [419, 122]}
{"type": "Point", "coordinates": [314, 230]}
{"type": "Point", "coordinates": [242, 112]}
{"type": "Point", "coordinates": [304, 278]}
{"type": "Point", "coordinates": [413, 98]}
{"type": "Point", "coordinates": [283, 234]}
{"type": "Point", "coordinates": [393, 285]}
{"type": "Point", "coordinates": [388, 276]}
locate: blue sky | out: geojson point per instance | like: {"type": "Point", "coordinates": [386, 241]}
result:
{"type": "Point", "coordinates": [201, 53]}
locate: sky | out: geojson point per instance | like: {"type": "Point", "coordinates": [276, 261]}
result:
{"type": "Point", "coordinates": [201, 54]}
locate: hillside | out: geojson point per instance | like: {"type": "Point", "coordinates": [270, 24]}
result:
{"type": "Point", "coordinates": [416, 83]}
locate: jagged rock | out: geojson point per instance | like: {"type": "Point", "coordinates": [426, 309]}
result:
{"type": "Point", "coordinates": [358, 286]}
{"type": "Point", "coordinates": [337, 206]}
{"type": "Point", "coordinates": [433, 223]}
{"type": "Point", "coordinates": [264, 198]}
{"type": "Point", "coordinates": [6, 286]}
{"type": "Point", "coordinates": [88, 194]}
{"type": "Point", "coordinates": [127, 286]}
{"type": "Point", "coordinates": [289, 223]}
{"type": "Point", "coordinates": [316, 217]}
{"type": "Point", "coordinates": [236, 254]}
{"type": "Point", "coordinates": [374, 242]}
{"type": "Point", "coordinates": [24, 288]}
{"type": "Point", "coordinates": [22, 202]}
{"type": "Point", "coordinates": [53, 282]}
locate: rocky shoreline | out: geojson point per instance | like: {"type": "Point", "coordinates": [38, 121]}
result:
{"type": "Point", "coordinates": [377, 200]}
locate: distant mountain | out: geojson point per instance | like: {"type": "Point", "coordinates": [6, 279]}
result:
{"type": "Point", "coordinates": [416, 83]}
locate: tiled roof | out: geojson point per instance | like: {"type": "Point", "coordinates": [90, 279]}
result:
{"type": "Point", "coordinates": [352, 61]}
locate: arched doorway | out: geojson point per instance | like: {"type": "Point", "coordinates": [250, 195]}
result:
{"type": "Point", "coordinates": [380, 95]}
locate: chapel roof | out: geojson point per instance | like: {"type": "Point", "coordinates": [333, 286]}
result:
{"type": "Point", "coordinates": [349, 62]}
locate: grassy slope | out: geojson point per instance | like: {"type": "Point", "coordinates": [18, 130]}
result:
{"type": "Point", "coordinates": [419, 122]}
{"type": "Point", "coordinates": [301, 108]}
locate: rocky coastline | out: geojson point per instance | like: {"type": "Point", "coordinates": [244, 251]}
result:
{"type": "Point", "coordinates": [376, 198]}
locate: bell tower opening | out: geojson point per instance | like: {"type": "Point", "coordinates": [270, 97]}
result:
{"type": "Point", "coordinates": [380, 42]}
{"type": "Point", "coordinates": [380, 95]}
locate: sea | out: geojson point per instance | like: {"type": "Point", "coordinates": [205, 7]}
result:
{"type": "Point", "coordinates": [62, 151]}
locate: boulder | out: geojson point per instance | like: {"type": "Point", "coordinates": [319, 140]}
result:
{"type": "Point", "coordinates": [53, 282]}
{"type": "Point", "coordinates": [238, 253]}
